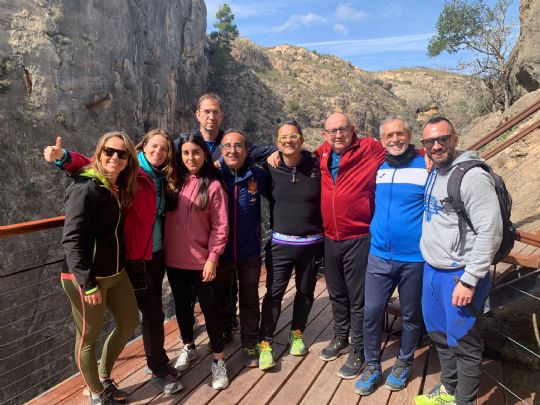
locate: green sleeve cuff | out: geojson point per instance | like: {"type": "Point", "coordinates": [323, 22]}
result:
{"type": "Point", "coordinates": [61, 162]}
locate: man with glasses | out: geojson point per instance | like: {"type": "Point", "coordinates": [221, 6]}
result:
{"type": "Point", "coordinates": [210, 116]}
{"type": "Point", "coordinates": [394, 258]}
{"type": "Point", "coordinates": [297, 239]}
{"type": "Point", "coordinates": [456, 274]}
{"type": "Point", "coordinates": [245, 184]}
{"type": "Point", "coordinates": [348, 168]}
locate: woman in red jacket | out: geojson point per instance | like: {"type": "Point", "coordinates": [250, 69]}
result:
{"type": "Point", "coordinates": [143, 243]}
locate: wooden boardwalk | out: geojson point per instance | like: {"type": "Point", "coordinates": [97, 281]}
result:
{"type": "Point", "coordinates": [294, 380]}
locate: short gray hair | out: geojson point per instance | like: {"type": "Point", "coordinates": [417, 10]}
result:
{"type": "Point", "coordinates": [391, 118]}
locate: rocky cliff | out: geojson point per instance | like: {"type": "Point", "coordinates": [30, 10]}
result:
{"type": "Point", "coordinates": [525, 57]}
{"type": "Point", "coordinates": [264, 86]}
{"type": "Point", "coordinates": [80, 68]}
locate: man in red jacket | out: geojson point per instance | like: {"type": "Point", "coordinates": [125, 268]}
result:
{"type": "Point", "coordinates": [348, 168]}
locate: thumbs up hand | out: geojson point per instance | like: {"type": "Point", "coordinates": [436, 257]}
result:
{"type": "Point", "coordinates": [54, 152]}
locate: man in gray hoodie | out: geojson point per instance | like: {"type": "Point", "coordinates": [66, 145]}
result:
{"type": "Point", "coordinates": [456, 274]}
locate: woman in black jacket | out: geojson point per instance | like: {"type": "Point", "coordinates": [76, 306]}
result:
{"type": "Point", "coordinates": [93, 274]}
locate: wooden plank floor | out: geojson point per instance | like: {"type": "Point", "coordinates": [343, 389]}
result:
{"type": "Point", "coordinates": [294, 380]}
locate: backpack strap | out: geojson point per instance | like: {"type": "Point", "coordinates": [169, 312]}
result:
{"type": "Point", "coordinates": [454, 190]}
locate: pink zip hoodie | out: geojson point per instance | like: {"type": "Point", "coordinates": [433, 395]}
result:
{"type": "Point", "coordinates": [192, 236]}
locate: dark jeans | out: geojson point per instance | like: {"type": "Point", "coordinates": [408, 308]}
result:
{"type": "Point", "coordinates": [280, 261]}
{"type": "Point", "coordinates": [182, 283]}
{"type": "Point", "coordinates": [382, 278]}
{"type": "Point", "coordinates": [151, 307]}
{"type": "Point", "coordinates": [248, 273]}
{"type": "Point", "coordinates": [345, 265]}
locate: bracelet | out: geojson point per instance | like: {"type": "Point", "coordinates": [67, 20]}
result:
{"type": "Point", "coordinates": [91, 291]}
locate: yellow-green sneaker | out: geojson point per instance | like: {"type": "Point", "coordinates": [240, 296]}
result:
{"type": "Point", "coordinates": [296, 341]}
{"type": "Point", "coordinates": [436, 396]}
{"type": "Point", "coordinates": [266, 360]}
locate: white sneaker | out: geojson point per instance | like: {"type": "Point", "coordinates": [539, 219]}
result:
{"type": "Point", "coordinates": [220, 381]}
{"type": "Point", "coordinates": [187, 355]}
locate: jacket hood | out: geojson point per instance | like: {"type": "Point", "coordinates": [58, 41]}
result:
{"type": "Point", "coordinates": [462, 156]}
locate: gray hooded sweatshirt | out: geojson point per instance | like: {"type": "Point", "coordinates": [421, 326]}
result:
{"type": "Point", "coordinates": [441, 244]}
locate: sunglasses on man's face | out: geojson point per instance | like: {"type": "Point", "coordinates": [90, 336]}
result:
{"type": "Point", "coordinates": [443, 140]}
{"type": "Point", "coordinates": [122, 154]}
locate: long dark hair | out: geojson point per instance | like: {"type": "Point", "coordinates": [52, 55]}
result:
{"type": "Point", "coordinates": [207, 173]}
{"type": "Point", "coordinates": [169, 167]}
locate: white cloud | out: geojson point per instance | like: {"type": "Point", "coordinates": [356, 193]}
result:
{"type": "Point", "coordinates": [241, 11]}
{"type": "Point", "coordinates": [361, 47]}
{"type": "Point", "coordinates": [296, 21]}
{"type": "Point", "coordinates": [345, 11]}
{"type": "Point", "coordinates": [393, 10]}
{"type": "Point", "coordinates": [341, 29]}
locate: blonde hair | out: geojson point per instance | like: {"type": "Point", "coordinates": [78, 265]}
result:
{"type": "Point", "coordinates": [169, 167]}
{"type": "Point", "coordinates": [127, 180]}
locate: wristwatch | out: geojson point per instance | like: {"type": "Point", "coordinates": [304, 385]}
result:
{"type": "Point", "coordinates": [466, 285]}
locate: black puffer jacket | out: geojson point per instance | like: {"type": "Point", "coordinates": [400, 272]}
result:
{"type": "Point", "coordinates": [92, 236]}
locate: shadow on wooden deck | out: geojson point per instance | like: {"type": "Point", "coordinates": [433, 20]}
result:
{"type": "Point", "coordinates": [294, 380]}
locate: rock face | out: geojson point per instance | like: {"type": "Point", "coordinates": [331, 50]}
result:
{"type": "Point", "coordinates": [525, 57]}
{"type": "Point", "coordinates": [264, 86]}
{"type": "Point", "coordinates": [436, 92]}
{"type": "Point", "coordinates": [81, 68]}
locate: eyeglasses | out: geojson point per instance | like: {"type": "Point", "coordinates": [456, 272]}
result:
{"type": "Point", "coordinates": [121, 153]}
{"type": "Point", "coordinates": [208, 112]}
{"type": "Point", "coordinates": [399, 134]}
{"type": "Point", "coordinates": [291, 137]}
{"type": "Point", "coordinates": [334, 131]}
{"type": "Point", "coordinates": [443, 140]}
{"type": "Point", "coordinates": [236, 146]}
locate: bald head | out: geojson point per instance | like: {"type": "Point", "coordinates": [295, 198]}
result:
{"type": "Point", "coordinates": [338, 132]}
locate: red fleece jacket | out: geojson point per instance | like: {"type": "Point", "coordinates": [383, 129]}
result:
{"type": "Point", "coordinates": [348, 205]}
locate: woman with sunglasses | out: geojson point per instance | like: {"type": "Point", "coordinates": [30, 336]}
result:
{"type": "Point", "coordinates": [143, 242]}
{"type": "Point", "coordinates": [195, 236]}
{"type": "Point", "coordinates": [93, 275]}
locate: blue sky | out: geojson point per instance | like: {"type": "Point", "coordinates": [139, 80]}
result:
{"type": "Point", "coordinates": [373, 35]}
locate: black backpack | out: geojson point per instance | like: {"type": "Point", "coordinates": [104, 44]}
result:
{"type": "Point", "coordinates": [505, 202]}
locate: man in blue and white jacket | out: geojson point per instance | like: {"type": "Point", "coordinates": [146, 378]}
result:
{"type": "Point", "coordinates": [395, 259]}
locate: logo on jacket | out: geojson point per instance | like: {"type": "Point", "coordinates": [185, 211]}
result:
{"type": "Point", "coordinates": [253, 190]}
{"type": "Point", "coordinates": [431, 207]}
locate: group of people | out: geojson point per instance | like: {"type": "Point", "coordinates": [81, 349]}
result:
{"type": "Point", "coordinates": [191, 208]}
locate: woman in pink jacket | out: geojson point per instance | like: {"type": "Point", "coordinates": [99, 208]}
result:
{"type": "Point", "coordinates": [195, 236]}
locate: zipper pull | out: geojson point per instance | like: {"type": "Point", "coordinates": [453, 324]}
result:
{"type": "Point", "coordinates": [293, 175]}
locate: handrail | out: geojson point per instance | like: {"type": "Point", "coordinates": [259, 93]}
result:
{"type": "Point", "coordinates": [505, 127]}
{"type": "Point", "coordinates": [528, 238]}
{"type": "Point", "coordinates": [27, 227]}
{"type": "Point", "coordinates": [520, 135]}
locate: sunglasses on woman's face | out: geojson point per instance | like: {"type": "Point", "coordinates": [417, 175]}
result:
{"type": "Point", "coordinates": [120, 153]}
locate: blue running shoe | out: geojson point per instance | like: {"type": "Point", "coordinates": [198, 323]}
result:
{"type": "Point", "coordinates": [370, 377]}
{"type": "Point", "coordinates": [399, 374]}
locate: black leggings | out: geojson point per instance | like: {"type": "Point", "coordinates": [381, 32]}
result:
{"type": "Point", "coordinates": [182, 284]}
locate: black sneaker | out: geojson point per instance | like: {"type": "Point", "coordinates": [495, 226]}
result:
{"type": "Point", "coordinates": [351, 368]}
{"type": "Point", "coordinates": [112, 391]}
{"type": "Point", "coordinates": [336, 347]}
{"type": "Point", "coordinates": [251, 357]}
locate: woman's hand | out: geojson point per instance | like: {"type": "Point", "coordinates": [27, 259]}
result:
{"type": "Point", "coordinates": [93, 299]}
{"type": "Point", "coordinates": [209, 271]}
{"type": "Point", "coordinates": [55, 152]}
